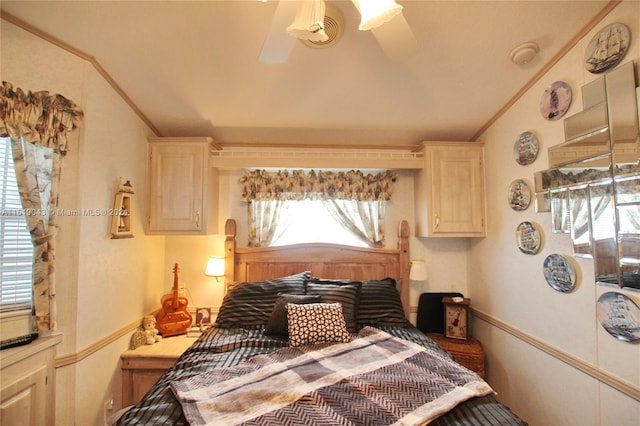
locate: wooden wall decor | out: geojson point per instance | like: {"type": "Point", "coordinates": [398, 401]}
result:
{"type": "Point", "coordinates": [121, 215]}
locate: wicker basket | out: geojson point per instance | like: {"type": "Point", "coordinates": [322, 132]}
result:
{"type": "Point", "coordinates": [469, 353]}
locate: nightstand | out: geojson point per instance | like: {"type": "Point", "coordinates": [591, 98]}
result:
{"type": "Point", "coordinates": [142, 367]}
{"type": "Point", "coordinates": [469, 353]}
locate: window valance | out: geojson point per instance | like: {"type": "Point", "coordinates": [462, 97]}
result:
{"type": "Point", "coordinates": [321, 185]}
{"type": "Point", "coordinates": [38, 117]}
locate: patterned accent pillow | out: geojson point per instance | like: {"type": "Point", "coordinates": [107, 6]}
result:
{"type": "Point", "coordinates": [277, 324]}
{"type": "Point", "coordinates": [380, 304]}
{"type": "Point", "coordinates": [347, 294]}
{"type": "Point", "coordinates": [250, 304]}
{"type": "Point", "coordinates": [316, 323]}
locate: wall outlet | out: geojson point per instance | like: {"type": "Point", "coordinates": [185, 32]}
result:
{"type": "Point", "coordinates": [108, 409]}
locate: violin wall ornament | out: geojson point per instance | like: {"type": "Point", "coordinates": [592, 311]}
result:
{"type": "Point", "coordinates": [174, 318]}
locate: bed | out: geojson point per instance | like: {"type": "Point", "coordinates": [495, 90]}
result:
{"type": "Point", "coordinates": [317, 334]}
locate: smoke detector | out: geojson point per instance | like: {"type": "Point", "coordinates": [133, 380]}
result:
{"type": "Point", "coordinates": [524, 53]}
{"type": "Point", "coordinates": [333, 27]}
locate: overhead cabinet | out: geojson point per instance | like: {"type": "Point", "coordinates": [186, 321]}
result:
{"type": "Point", "coordinates": [183, 187]}
{"type": "Point", "coordinates": [449, 190]}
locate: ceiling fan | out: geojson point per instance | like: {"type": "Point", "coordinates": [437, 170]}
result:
{"type": "Point", "coordinates": [320, 25]}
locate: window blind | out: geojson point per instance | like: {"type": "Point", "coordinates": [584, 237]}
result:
{"type": "Point", "coordinates": [16, 249]}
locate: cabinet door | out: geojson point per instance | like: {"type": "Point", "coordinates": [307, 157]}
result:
{"type": "Point", "coordinates": [177, 190]}
{"type": "Point", "coordinates": [24, 401]}
{"type": "Point", "coordinates": [457, 191]}
{"type": "Point", "coordinates": [450, 191]}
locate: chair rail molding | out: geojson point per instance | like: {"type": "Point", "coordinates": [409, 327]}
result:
{"type": "Point", "coordinates": [597, 373]}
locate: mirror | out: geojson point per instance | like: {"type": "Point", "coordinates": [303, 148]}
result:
{"type": "Point", "coordinates": [627, 198]}
{"type": "Point", "coordinates": [560, 211]}
{"type": "Point", "coordinates": [580, 225]}
{"type": "Point", "coordinates": [593, 185]}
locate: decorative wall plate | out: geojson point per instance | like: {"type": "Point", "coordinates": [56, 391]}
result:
{"type": "Point", "coordinates": [619, 315]}
{"type": "Point", "coordinates": [559, 272]}
{"type": "Point", "coordinates": [519, 195]}
{"type": "Point", "coordinates": [525, 150]}
{"type": "Point", "coordinates": [555, 100]}
{"type": "Point", "coordinates": [528, 238]}
{"type": "Point", "coordinates": [607, 48]}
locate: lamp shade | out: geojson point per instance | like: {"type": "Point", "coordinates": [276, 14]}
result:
{"type": "Point", "coordinates": [309, 21]}
{"type": "Point", "coordinates": [374, 13]}
{"type": "Point", "coordinates": [215, 266]}
{"type": "Point", "coordinates": [418, 270]}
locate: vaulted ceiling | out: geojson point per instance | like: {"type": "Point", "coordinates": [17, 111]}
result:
{"type": "Point", "coordinates": [191, 67]}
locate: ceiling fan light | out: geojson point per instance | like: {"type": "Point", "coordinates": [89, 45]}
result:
{"type": "Point", "coordinates": [309, 21]}
{"type": "Point", "coordinates": [374, 13]}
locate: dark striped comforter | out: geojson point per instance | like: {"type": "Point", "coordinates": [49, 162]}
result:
{"type": "Point", "coordinates": [229, 347]}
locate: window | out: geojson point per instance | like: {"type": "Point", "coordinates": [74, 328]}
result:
{"type": "Point", "coordinates": [16, 249]}
{"type": "Point", "coordinates": [309, 221]}
{"type": "Point", "coordinates": [277, 203]}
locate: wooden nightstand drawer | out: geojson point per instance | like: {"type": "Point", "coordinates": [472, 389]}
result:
{"type": "Point", "coordinates": [469, 353]}
{"type": "Point", "coordinates": [142, 367]}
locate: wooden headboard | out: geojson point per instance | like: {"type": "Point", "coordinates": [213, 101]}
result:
{"type": "Point", "coordinates": [323, 260]}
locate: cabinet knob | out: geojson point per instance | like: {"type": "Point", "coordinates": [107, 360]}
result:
{"type": "Point", "coordinates": [198, 219]}
{"type": "Point", "coordinates": [437, 217]}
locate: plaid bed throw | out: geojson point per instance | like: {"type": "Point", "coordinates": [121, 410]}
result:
{"type": "Point", "coordinates": [375, 379]}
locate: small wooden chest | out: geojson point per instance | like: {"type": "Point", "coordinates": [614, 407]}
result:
{"type": "Point", "coordinates": [469, 353]}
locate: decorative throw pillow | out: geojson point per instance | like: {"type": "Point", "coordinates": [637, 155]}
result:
{"type": "Point", "coordinates": [277, 324]}
{"type": "Point", "coordinates": [380, 304]}
{"type": "Point", "coordinates": [316, 323]}
{"type": "Point", "coordinates": [345, 294]}
{"type": "Point", "coordinates": [250, 304]}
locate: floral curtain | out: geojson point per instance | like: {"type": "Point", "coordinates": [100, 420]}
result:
{"type": "Point", "coordinates": [321, 185]}
{"type": "Point", "coordinates": [356, 200]}
{"type": "Point", "coordinates": [365, 219]}
{"type": "Point", "coordinates": [38, 124]}
{"type": "Point", "coordinates": [264, 217]}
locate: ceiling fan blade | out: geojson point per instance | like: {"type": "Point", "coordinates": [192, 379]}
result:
{"type": "Point", "coordinates": [396, 39]}
{"type": "Point", "coordinates": [279, 43]}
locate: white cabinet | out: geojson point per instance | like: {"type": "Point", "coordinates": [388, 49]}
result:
{"type": "Point", "coordinates": [449, 190]}
{"type": "Point", "coordinates": [183, 186]}
{"type": "Point", "coordinates": [27, 396]}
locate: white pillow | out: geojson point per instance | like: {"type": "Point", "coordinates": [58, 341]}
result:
{"type": "Point", "coordinates": [316, 323]}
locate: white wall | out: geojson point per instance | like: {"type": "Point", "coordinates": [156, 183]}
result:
{"type": "Point", "coordinates": [510, 285]}
{"type": "Point", "coordinates": [103, 285]}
